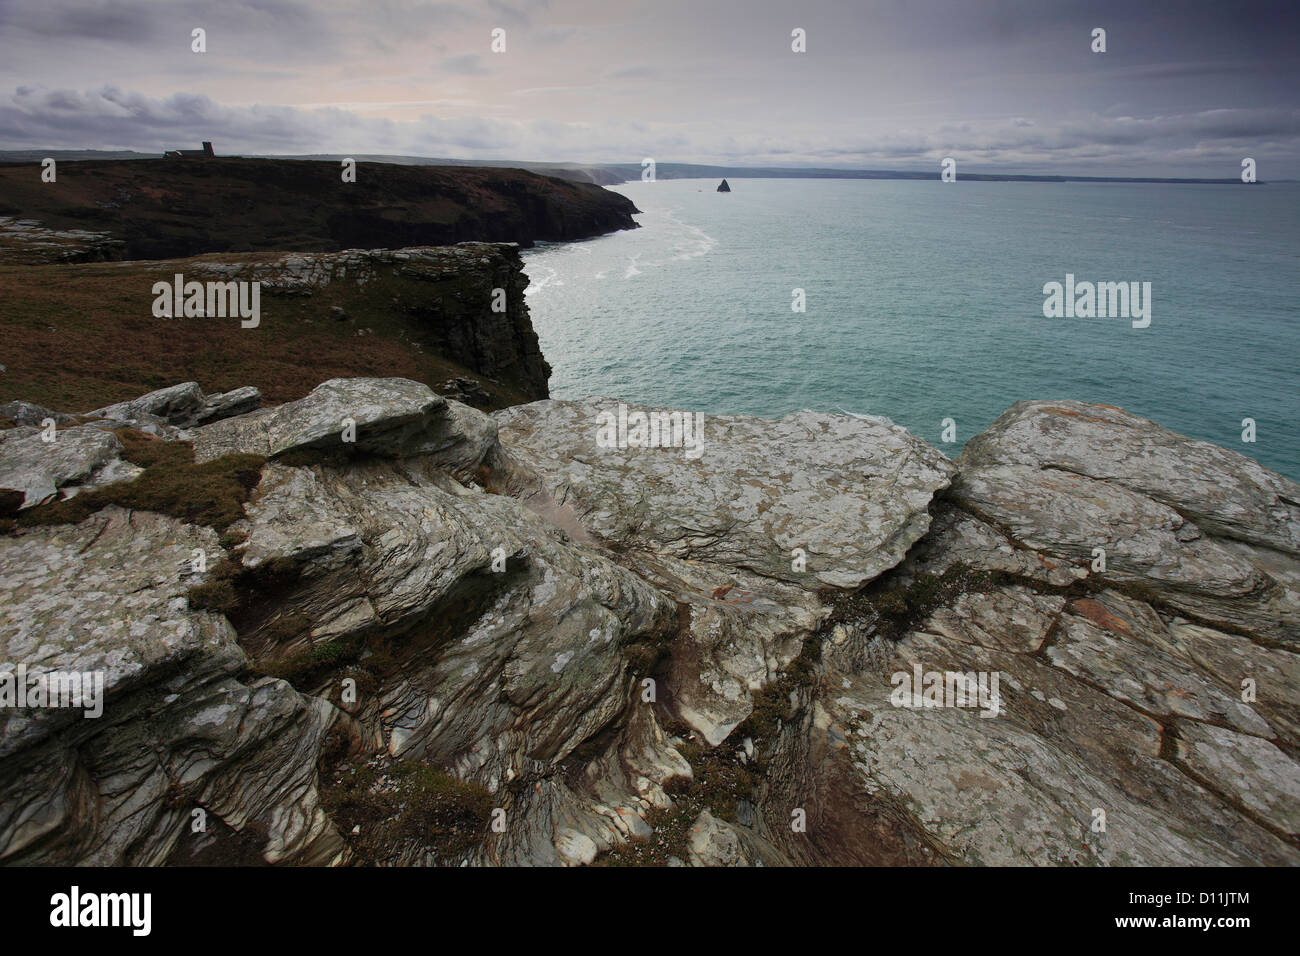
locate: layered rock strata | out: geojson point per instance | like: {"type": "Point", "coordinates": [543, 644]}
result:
{"type": "Point", "coordinates": [616, 653]}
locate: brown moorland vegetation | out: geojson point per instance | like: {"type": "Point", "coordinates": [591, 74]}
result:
{"type": "Point", "coordinates": [165, 209]}
{"type": "Point", "coordinates": [78, 337]}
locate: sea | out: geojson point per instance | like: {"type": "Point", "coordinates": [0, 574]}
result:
{"type": "Point", "coordinates": [924, 302]}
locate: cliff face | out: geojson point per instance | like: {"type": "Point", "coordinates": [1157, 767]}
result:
{"type": "Point", "coordinates": [431, 314]}
{"type": "Point", "coordinates": [449, 636]}
{"type": "Point", "coordinates": [167, 209]}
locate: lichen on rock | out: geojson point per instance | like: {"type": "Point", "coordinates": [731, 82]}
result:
{"type": "Point", "coordinates": [429, 635]}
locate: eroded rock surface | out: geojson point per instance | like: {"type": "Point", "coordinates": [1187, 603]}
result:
{"type": "Point", "coordinates": [743, 524]}
{"type": "Point", "coordinates": [28, 241]}
{"type": "Point", "coordinates": [181, 406]}
{"type": "Point", "coordinates": [37, 462]}
{"type": "Point", "coordinates": [181, 727]}
{"type": "Point", "coordinates": [633, 655]}
{"type": "Point", "coordinates": [850, 493]}
{"type": "Point", "coordinates": [385, 417]}
{"type": "Point", "coordinates": [1131, 728]}
{"type": "Point", "coordinates": [1200, 525]}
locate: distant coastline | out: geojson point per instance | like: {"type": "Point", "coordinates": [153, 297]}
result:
{"type": "Point", "coordinates": [609, 174]}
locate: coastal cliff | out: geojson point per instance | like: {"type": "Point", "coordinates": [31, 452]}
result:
{"type": "Point", "coordinates": [448, 637]}
{"type": "Point", "coordinates": [80, 256]}
{"type": "Point", "coordinates": [171, 209]}
{"type": "Point", "coordinates": [452, 317]}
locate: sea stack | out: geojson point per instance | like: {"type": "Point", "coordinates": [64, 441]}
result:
{"type": "Point", "coordinates": [723, 187]}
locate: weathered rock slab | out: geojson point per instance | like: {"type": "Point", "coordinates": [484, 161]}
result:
{"type": "Point", "coordinates": [849, 495]}
{"type": "Point", "coordinates": [38, 468]}
{"type": "Point", "coordinates": [104, 602]}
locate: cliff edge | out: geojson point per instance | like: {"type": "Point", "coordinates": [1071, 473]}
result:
{"type": "Point", "coordinates": [452, 317]}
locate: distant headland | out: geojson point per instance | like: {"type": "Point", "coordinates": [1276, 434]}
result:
{"type": "Point", "coordinates": [609, 174]}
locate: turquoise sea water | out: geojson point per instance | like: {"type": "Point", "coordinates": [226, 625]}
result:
{"type": "Point", "coordinates": [925, 302]}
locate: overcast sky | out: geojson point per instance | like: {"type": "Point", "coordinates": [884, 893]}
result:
{"type": "Point", "coordinates": [1184, 89]}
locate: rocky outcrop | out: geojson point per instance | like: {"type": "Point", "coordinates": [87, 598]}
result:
{"type": "Point", "coordinates": [28, 242]}
{"type": "Point", "coordinates": [68, 454]}
{"type": "Point", "coordinates": [29, 413]}
{"type": "Point", "coordinates": [757, 514]}
{"type": "Point", "coordinates": [181, 406]}
{"type": "Point", "coordinates": [181, 729]}
{"type": "Point", "coordinates": [392, 417]}
{"type": "Point", "coordinates": [583, 649]}
{"type": "Point", "coordinates": [465, 302]}
{"type": "Point", "coordinates": [36, 467]}
{"type": "Point", "coordinates": [1197, 524]}
{"type": "Point", "coordinates": [1135, 591]}
{"type": "Point", "coordinates": [846, 495]}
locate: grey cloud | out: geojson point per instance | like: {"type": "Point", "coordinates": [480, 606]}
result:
{"type": "Point", "coordinates": [126, 22]}
{"type": "Point", "coordinates": [34, 116]}
{"type": "Point", "coordinates": [550, 36]}
{"type": "Point", "coordinates": [151, 23]}
{"type": "Point", "coordinates": [633, 73]}
{"type": "Point", "coordinates": [508, 13]}
{"type": "Point", "coordinates": [892, 83]}
{"type": "Point", "coordinates": [468, 64]}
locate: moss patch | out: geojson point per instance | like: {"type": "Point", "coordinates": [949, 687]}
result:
{"type": "Point", "coordinates": [404, 802]}
{"type": "Point", "coordinates": [719, 783]}
{"type": "Point", "coordinates": [900, 609]}
{"type": "Point", "coordinates": [233, 590]}
{"type": "Point", "coordinates": [771, 702]}
{"type": "Point", "coordinates": [671, 829]}
{"type": "Point", "coordinates": [307, 668]}
{"type": "Point", "coordinates": [219, 593]}
{"type": "Point", "coordinates": [250, 598]}
{"type": "Point", "coordinates": [211, 494]}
